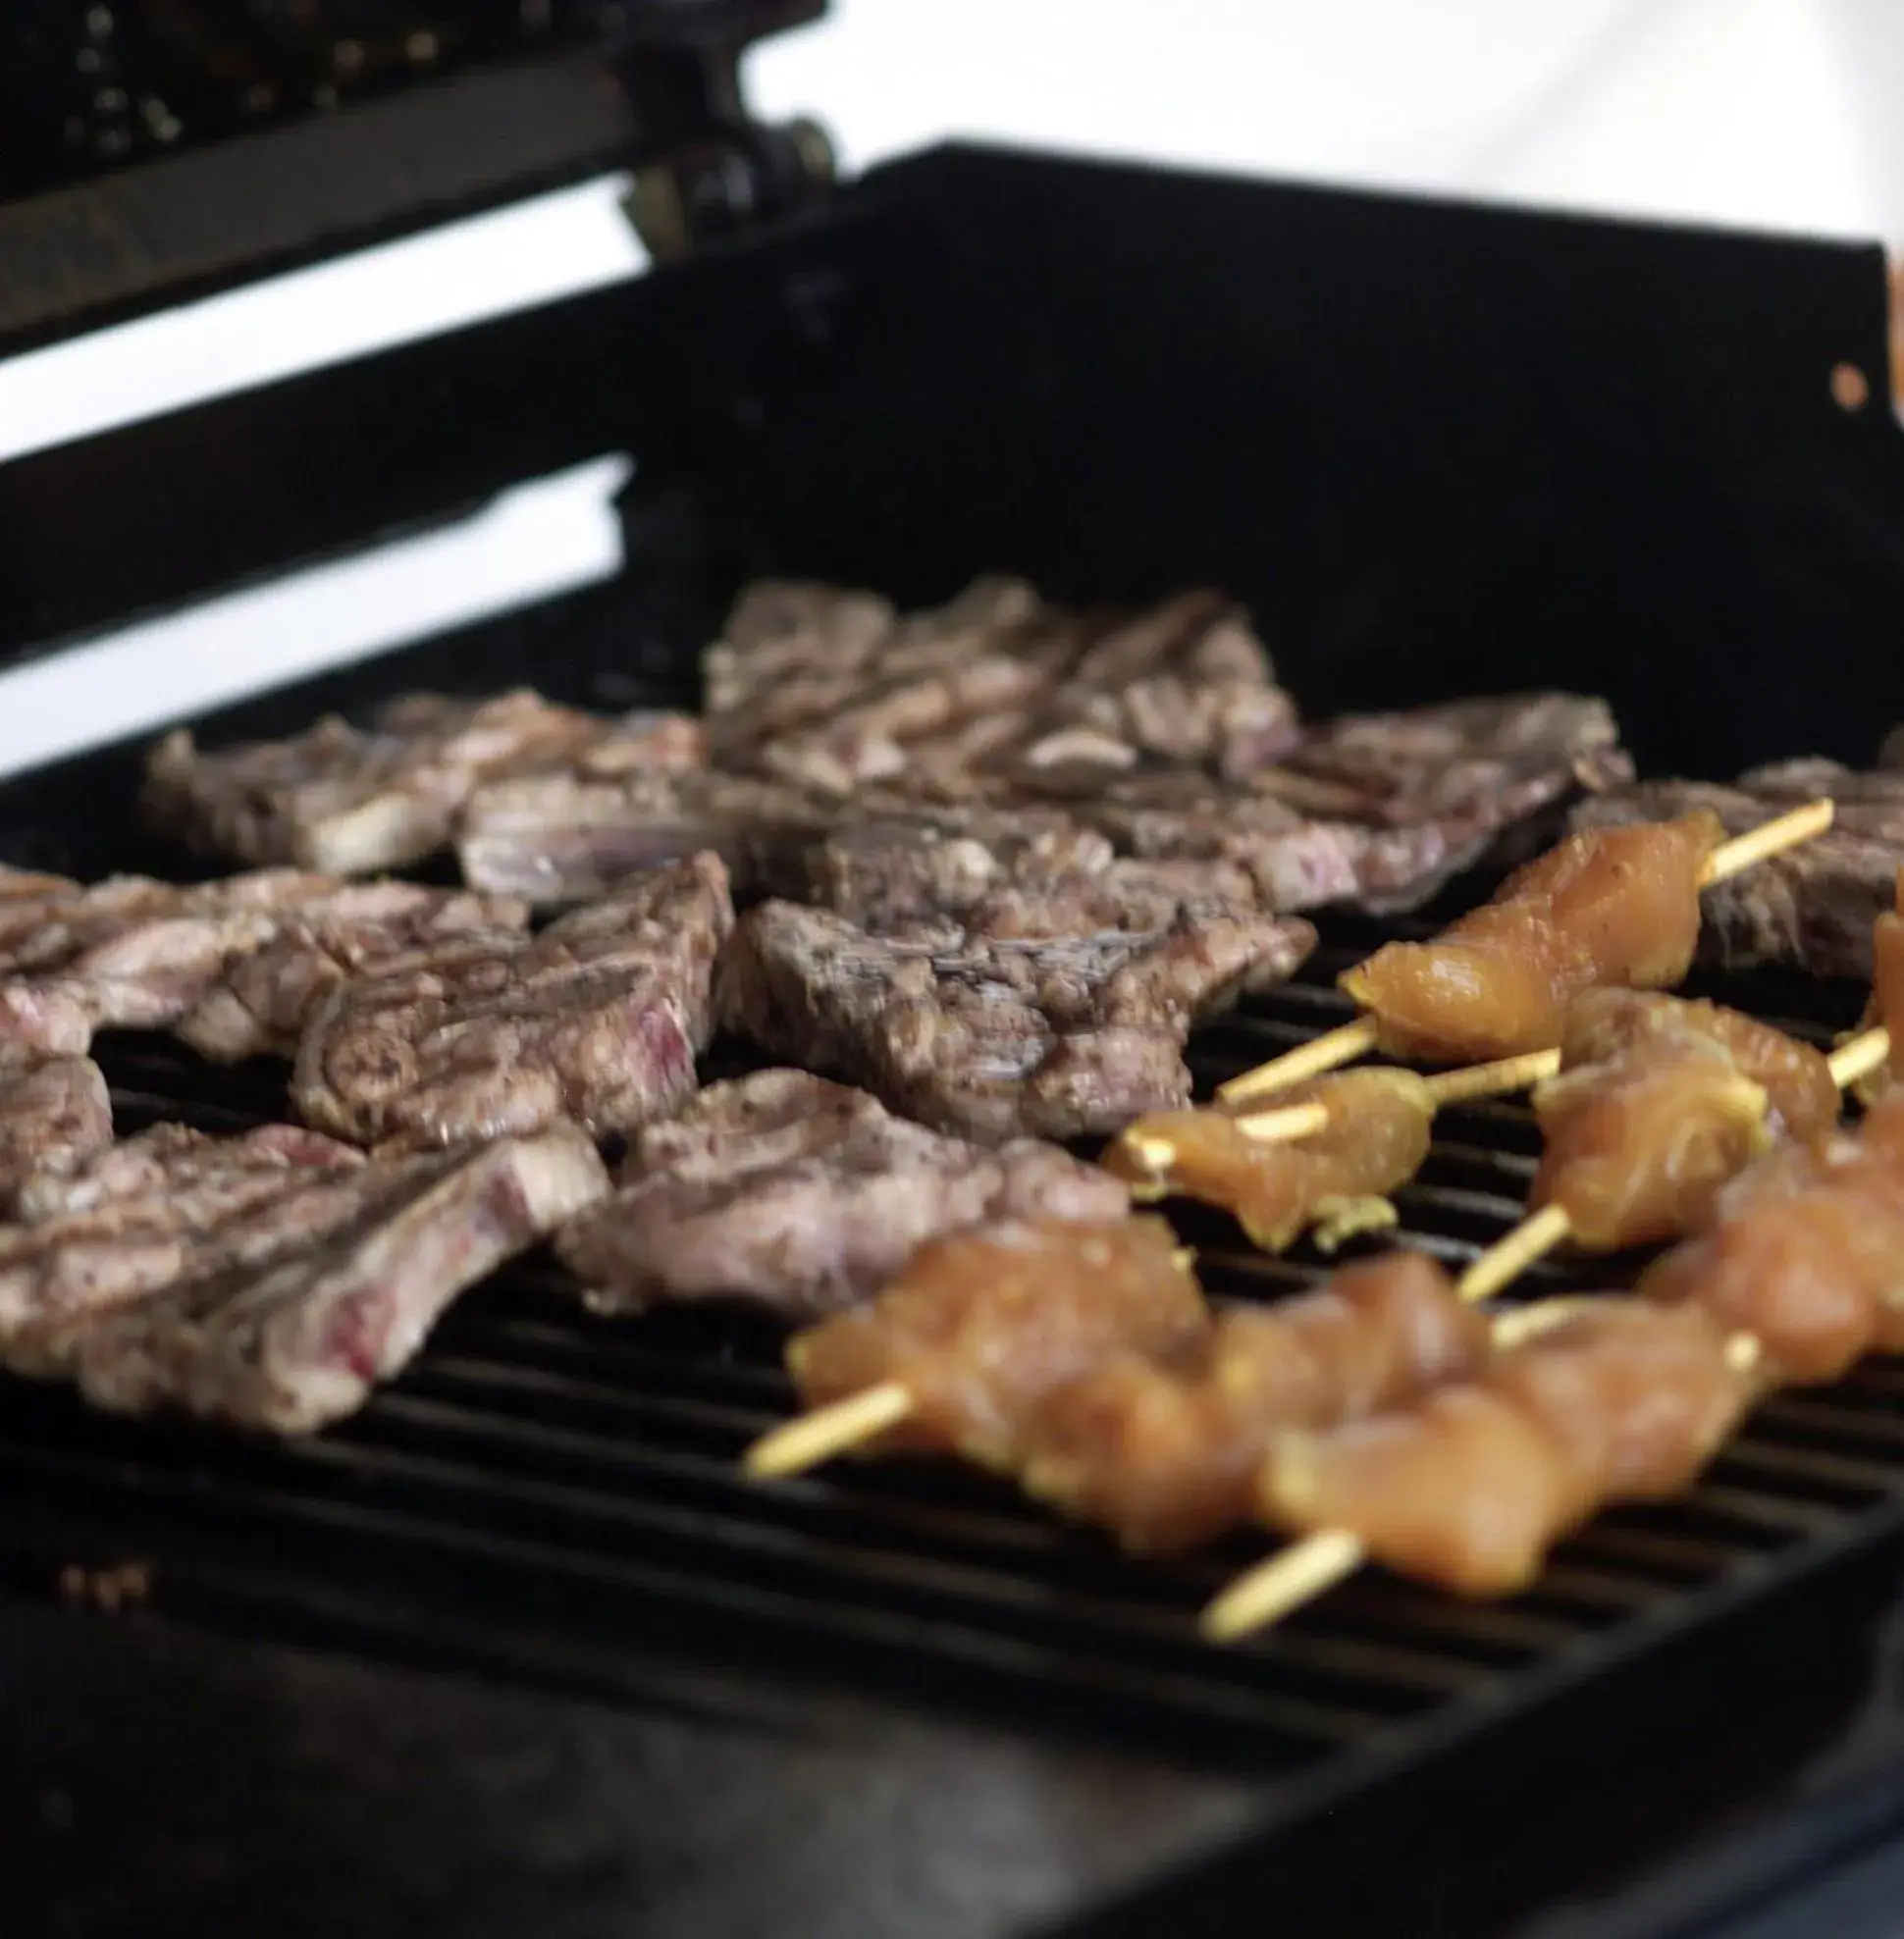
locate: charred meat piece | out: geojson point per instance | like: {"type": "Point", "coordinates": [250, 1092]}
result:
{"type": "Point", "coordinates": [1187, 684]}
{"type": "Point", "coordinates": [805, 1196]}
{"type": "Point", "coordinates": [980, 1327]}
{"type": "Point", "coordinates": [293, 1342]}
{"type": "Point", "coordinates": [829, 691]}
{"type": "Point", "coordinates": [1812, 906]}
{"type": "Point", "coordinates": [137, 953]}
{"type": "Point", "coordinates": [350, 802]}
{"type": "Point", "coordinates": [1163, 1451]}
{"type": "Point", "coordinates": [54, 1109]}
{"type": "Point", "coordinates": [1032, 1017]}
{"type": "Point", "coordinates": [1494, 760]}
{"type": "Point", "coordinates": [825, 690]}
{"type": "Point", "coordinates": [565, 838]}
{"type": "Point", "coordinates": [1612, 906]}
{"type": "Point", "coordinates": [791, 653]}
{"type": "Point", "coordinates": [886, 872]}
{"type": "Point", "coordinates": [135, 1217]}
{"type": "Point", "coordinates": [1337, 1179]}
{"type": "Point", "coordinates": [1375, 810]}
{"type": "Point", "coordinates": [265, 1000]}
{"type": "Point", "coordinates": [1471, 1488]}
{"type": "Point", "coordinates": [596, 1019]}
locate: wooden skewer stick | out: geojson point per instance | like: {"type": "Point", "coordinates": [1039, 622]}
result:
{"type": "Point", "coordinates": [1342, 1045]}
{"type": "Point", "coordinates": [1306, 1569]}
{"type": "Point", "coordinates": [1289, 1123]}
{"type": "Point", "coordinates": [1283, 1127]}
{"type": "Point", "coordinates": [1858, 1057]}
{"type": "Point", "coordinates": [1349, 1041]}
{"type": "Point", "coordinates": [829, 1430]}
{"type": "Point", "coordinates": [1495, 1080]}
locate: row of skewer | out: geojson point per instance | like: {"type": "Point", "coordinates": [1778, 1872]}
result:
{"type": "Point", "coordinates": [1384, 1416]}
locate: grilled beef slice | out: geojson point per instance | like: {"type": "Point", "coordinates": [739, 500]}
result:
{"type": "Point", "coordinates": [596, 1019]}
{"type": "Point", "coordinates": [294, 1341]}
{"type": "Point", "coordinates": [351, 802]}
{"type": "Point", "coordinates": [1035, 1017]}
{"type": "Point", "coordinates": [805, 1196]}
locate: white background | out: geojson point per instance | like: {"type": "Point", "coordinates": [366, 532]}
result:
{"type": "Point", "coordinates": [1775, 113]}
{"type": "Point", "coordinates": [1779, 113]}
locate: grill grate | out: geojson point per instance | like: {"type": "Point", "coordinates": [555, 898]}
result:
{"type": "Point", "coordinates": [556, 1495]}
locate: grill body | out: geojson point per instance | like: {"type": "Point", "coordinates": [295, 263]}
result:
{"type": "Point", "coordinates": [570, 1667]}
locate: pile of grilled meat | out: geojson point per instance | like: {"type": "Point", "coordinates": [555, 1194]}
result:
{"type": "Point", "coordinates": [993, 861]}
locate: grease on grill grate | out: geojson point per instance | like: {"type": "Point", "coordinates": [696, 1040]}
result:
{"type": "Point", "coordinates": [557, 1496]}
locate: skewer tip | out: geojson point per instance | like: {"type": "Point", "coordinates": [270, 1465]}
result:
{"type": "Point", "coordinates": [827, 1430]}
{"type": "Point", "coordinates": [1769, 838]}
{"type": "Point", "coordinates": [1858, 1057]}
{"type": "Point", "coordinates": [1281, 1585]}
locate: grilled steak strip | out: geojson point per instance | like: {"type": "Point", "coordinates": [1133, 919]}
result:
{"type": "Point", "coordinates": [1045, 1017]}
{"type": "Point", "coordinates": [805, 1196]}
{"type": "Point", "coordinates": [136, 954]}
{"type": "Point", "coordinates": [295, 1343]}
{"type": "Point", "coordinates": [829, 691]}
{"type": "Point", "coordinates": [1376, 809]}
{"type": "Point", "coordinates": [564, 838]}
{"type": "Point", "coordinates": [134, 1217]}
{"type": "Point", "coordinates": [350, 802]}
{"type": "Point", "coordinates": [266, 999]}
{"type": "Point", "coordinates": [54, 1109]}
{"type": "Point", "coordinates": [596, 1019]}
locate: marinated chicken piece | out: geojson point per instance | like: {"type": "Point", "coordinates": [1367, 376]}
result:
{"type": "Point", "coordinates": [54, 1110]}
{"type": "Point", "coordinates": [1800, 1095]}
{"type": "Point", "coordinates": [1616, 906]}
{"type": "Point", "coordinates": [980, 1327]}
{"type": "Point", "coordinates": [1163, 1451]}
{"type": "Point", "coordinates": [1803, 1252]}
{"type": "Point", "coordinates": [268, 997]}
{"type": "Point", "coordinates": [1472, 1487]}
{"type": "Point", "coordinates": [1378, 1133]}
{"type": "Point", "coordinates": [1035, 1015]}
{"type": "Point", "coordinates": [294, 1341]}
{"type": "Point", "coordinates": [596, 1019]}
{"type": "Point", "coordinates": [805, 1196]}
{"type": "Point", "coordinates": [1637, 1148]}
{"type": "Point", "coordinates": [135, 1217]}
{"type": "Point", "coordinates": [352, 802]}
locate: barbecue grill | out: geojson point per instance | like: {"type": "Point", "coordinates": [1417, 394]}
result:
{"type": "Point", "coordinates": [519, 1647]}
